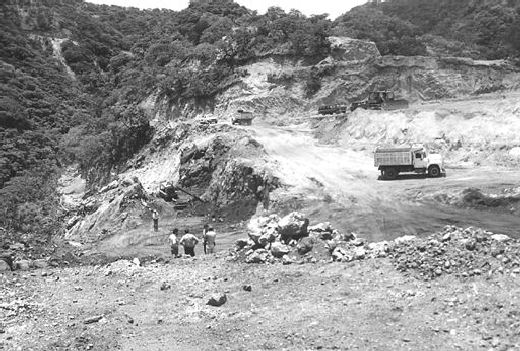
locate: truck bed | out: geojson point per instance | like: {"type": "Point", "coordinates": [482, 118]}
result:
{"type": "Point", "coordinates": [393, 157]}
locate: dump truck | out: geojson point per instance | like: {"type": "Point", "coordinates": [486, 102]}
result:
{"type": "Point", "coordinates": [380, 100]}
{"type": "Point", "coordinates": [416, 158]}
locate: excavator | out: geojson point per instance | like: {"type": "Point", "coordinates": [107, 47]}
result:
{"type": "Point", "coordinates": [376, 100]}
{"type": "Point", "coordinates": [169, 193]}
{"type": "Point", "coordinates": [380, 100]}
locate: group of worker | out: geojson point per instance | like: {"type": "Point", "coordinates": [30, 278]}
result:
{"type": "Point", "coordinates": [188, 241]}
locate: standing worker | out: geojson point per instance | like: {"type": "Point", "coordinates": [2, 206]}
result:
{"type": "Point", "coordinates": [174, 242]}
{"type": "Point", "coordinates": [155, 217]}
{"type": "Point", "coordinates": [204, 241]}
{"type": "Point", "coordinates": [189, 241]}
{"type": "Point", "coordinates": [211, 235]}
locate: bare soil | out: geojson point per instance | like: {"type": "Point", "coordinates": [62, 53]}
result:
{"type": "Point", "coordinates": [363, 305]}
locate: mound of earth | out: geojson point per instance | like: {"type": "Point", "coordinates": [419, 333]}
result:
{"type": "Point", "coordinates": [462, 252]}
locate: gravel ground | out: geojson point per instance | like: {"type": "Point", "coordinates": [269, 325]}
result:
{"type": "Point", "coordinates": [365, 305]}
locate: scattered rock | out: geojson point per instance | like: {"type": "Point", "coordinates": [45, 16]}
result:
{"type": "Point", "coordinates": [278, 249]}
{"type": "Point", "coordinates": [23, 265]}
{"type": "Point", "coordinates": [243, 243]}
{"type": "Point", "coordinates": [470, 244]}
{"type": "Point", "coordinates": [404, 239]}
{"type": "Point", "coordinates": [321, 227]}
{"type": "Point", "coordinates": [4, 266]}
{"type": "Point", "coordinates": [165, 286]}
{"type": "Point", "coordinates": [379, 249]}
{"type": "Point", "coordinates": [287, 260]}
{"type": "Point", "coordinates": [17, 246]}
{"type": "Point", "coordinates": [217, 300]}
{"type": "Point", "coordinates": [500, 237]}
{"type": "Point", "coordinates": [93, 319]}
{"type": "Point", "coordinates": [258, 256]}
{"type": "Point", "coordinates": [359, 253]}
{"type": "Point", "coordinates": [305, 245]}
{"type": "Point", "coordinates": [340, 254]}
{"type": "Point", "coordinates": [446, 237]}
{"type": "Point", "coordinates": [40, 263]}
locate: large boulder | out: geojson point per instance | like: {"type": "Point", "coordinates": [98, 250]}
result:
{"type": "Point", "coordinates": [279, 250]}
{"type": "Point", "coordinates": [293, 226]}
{"type": "Point", "coordinates": [263, 230]}
{"type": "Point", "coordinates": [4, 266]}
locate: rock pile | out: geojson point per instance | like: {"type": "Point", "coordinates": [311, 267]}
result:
{"type": "Point", "coordinates": [291, 239]}
{"type": "Point", "coordinates": [463, 252]}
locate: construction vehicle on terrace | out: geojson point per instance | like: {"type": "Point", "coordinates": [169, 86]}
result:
{"type": "Point", "coordinates": [332, 109]}
{"type": "Point", "coordinates": [169, 193]}
{"type": "Point", "coordinates": [416, 158]}
{"type": "Point", "coordinates": [242, 118]}
{"type": "Point", "coordinates": [380, 100]}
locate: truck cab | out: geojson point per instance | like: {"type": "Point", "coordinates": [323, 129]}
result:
{"type": "Point", "coordinates": [416, 159]}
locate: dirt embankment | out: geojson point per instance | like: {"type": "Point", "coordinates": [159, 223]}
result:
{"type": "Point", "coordinates": [476, 131]}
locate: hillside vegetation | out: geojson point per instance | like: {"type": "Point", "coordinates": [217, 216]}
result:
{"type": "Point", "coordinates": [118, 57]}
{"type": "Point", "coordinates": [485, 29]}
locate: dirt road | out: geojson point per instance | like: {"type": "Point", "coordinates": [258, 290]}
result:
{"type": "Point", "coordinates": [341, 185]}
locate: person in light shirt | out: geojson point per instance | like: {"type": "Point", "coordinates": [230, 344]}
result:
{"type": "Point", "coordinates": [174, 242]}
{"type": "Point", "coordinates": [210, 237]}
{"type": "Point", "coordinates": [189, 241]}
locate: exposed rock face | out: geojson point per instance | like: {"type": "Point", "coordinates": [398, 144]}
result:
{"type": "Point", "coordinates": [348, 49]}
{"type": "Point", "coordinates": [118, 206]}
{"type": "Point", "coordinates": [232, 183]}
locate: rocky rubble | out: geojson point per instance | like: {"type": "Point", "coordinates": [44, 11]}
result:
{"type": "Point", "coordinates": [290, 239]}
{"type": "Point", "coordinates": [463, 252]}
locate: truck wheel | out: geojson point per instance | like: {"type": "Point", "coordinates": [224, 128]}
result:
{"type": "Point", "coordinates": [391, 173]}
{"type": "Point", "coordinates": [434, 171]}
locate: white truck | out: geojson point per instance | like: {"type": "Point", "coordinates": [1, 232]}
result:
{"type": "Point", "coordinates": [392, 161]}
